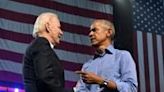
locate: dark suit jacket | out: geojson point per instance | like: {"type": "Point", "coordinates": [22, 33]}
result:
{"type": "Point", "coordinates": [42, 71]}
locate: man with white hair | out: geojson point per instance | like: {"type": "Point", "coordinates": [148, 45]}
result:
{"type": "Point", "coordinates": [42, 71]}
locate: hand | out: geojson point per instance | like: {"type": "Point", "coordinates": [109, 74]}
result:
{"type": "Point", "coordinates": [90, 77]}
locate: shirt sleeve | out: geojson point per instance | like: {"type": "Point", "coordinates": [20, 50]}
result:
{"type": "Point", "coordinates": [128, 81]}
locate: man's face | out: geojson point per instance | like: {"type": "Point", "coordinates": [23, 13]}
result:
{"type": "Point", "coordinates": [55, 29]}
{"type": "Point", "coordinates": [98, 34]}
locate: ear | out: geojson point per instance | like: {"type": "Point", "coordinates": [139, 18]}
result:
{"type": "Point", "coordinates": [109, 32]}
{"type": "Point", "coordinates": [47, 25]}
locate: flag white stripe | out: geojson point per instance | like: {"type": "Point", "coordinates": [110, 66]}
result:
{"type": "Point", "coordinates": [11, 66]}
{"type": "Point", "coordinates": [141, 61]}
{"type": "Point", "coordinates": [90, 5]}
{"type": "Point", "coordinates": [72, 57]}
{"type": "Point", "coordinates": [160, 61]}
{"type": "Point", "coordinates": [36, 10]}
{"type": "Point", "coordinates": [71, 76]}
{"type": "Point", "coordinates": [16, 26]}
{"type": "Point", "coordinates": [76, 39]}
{"type": "Point", "coordinates": [151, 61]}
{"type": "Point", "coordinates": [28, 28]}
{"type": "Point", "coordinates": [14, 67]}
{"type": "Point", "coordinates": [13, 46]}
{"type": "Point", "coordinates": [63, 55]}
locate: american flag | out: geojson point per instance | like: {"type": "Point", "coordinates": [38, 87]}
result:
{"type": "Point", "coordinates": [16, 24]}
{"type": "Point", "coordinates": [149, 44]}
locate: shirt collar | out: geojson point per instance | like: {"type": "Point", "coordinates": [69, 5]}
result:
{"type": "Point", "coordinates": [109, 50]}
{"type": "Point", "coordinates": [51, 45]}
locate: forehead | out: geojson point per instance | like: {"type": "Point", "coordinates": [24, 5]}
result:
{"type": "Point", "coordinates": [54, 20]}
{"type": "Point", "coordinates": [96, 24]}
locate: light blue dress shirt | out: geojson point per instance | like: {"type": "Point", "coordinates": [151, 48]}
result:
{"type": "Point", "coordinates": [114, 64]}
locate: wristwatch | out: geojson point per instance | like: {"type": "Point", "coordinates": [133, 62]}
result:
{"type": "Point", "coordinates": [104, 84]}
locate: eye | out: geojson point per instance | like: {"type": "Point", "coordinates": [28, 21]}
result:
{"type": "Point", "coordinates": [93, 29]}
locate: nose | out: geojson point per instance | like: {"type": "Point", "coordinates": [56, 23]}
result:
{"type": "Point", "coordinates": [61, 32]}
{"type": "Point", "coordinates": [90, 33]}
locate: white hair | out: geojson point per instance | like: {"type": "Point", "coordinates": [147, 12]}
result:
{"type": "Point", "coordinates": [40, 22]}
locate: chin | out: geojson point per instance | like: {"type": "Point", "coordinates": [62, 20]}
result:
{"type": "Point", "coordinates": [93, 44]}
{"type": "Point", "coordinates": [58, 42]}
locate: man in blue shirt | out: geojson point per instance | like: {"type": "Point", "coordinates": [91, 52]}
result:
{"type": "Point", "coordinates": [111, 70]}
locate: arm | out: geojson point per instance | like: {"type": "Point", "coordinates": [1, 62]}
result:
{"type": "Point", "coordinates": [126, 83]}
{"type": "Point", "coordinates": [92, 78]}
{"type": "Point", "coordinates": [128, 80]}
{"type": "Point", "coordinates": [46, 71]}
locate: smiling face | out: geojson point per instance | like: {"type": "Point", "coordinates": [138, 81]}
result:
{"type": "Point", "coordinates": [99, 35]}
{"type": "Point", "coordinates": [54, 29]}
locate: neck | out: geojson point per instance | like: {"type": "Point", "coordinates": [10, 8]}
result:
{"type": "Point", "coordinates": [47, 37]}
{"type": "Point", "coordinates": [102, 47]}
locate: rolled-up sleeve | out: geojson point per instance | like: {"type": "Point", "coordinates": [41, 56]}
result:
{"type": "Point", "coordinates": [128, 80]}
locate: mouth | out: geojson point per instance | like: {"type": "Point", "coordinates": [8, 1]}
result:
{"type": "Point", "coordinates": [92, 39]}
{"type": "Point", "coordinates": [59, 36]}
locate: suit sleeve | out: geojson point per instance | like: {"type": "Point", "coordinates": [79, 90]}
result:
{"type": "Point", "coordinates": [46, 71]}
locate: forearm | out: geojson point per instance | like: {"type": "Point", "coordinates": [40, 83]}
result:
{"type": "Point", "coordinates": [110, 84]}
{"type": "Point", "coordinates": [126, 86]}
{"type": "Point", "coordinates": [121, 86]}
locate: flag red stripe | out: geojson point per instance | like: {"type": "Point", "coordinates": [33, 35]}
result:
{"type": "Point", "coordinates": [76, 29]}
{"type": "Point", "coordinates": [25, 18]}
{"type": "Point", "coordinates": [68, 9]}
{"type": "Point", "coordinates": [14, 36]}
{"type": "Point", "coordinates": [71, 66]}
{"type": "Point", "coordinates": [147, 78]}
{"type": "Point", "coordinates": [26, 38]}
{"type": "Point", "coordinates": [156, 63]}
{"type": "Point", "coordinates": [9, 55]}
{"type": "Point", "coordinates": [16, 57]}
{"type": "Point", "coordinates": [69, 84]}
{"type": "Point", "coordinates": [10, 76]}
{"type": "Point", "coordinates": [103, 1]}
{"type": "Point", "coordinates": [17, 78]}
{"type": "Point", "coordinates": [135, 55]}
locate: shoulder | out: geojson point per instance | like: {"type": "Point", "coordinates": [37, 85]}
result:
{"type": "Point", "coordinates": [38, 45]}
{"type": "Point", "coordinates": [122, 52]}
{"type": "Point", "coordinates": [123, 56]}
